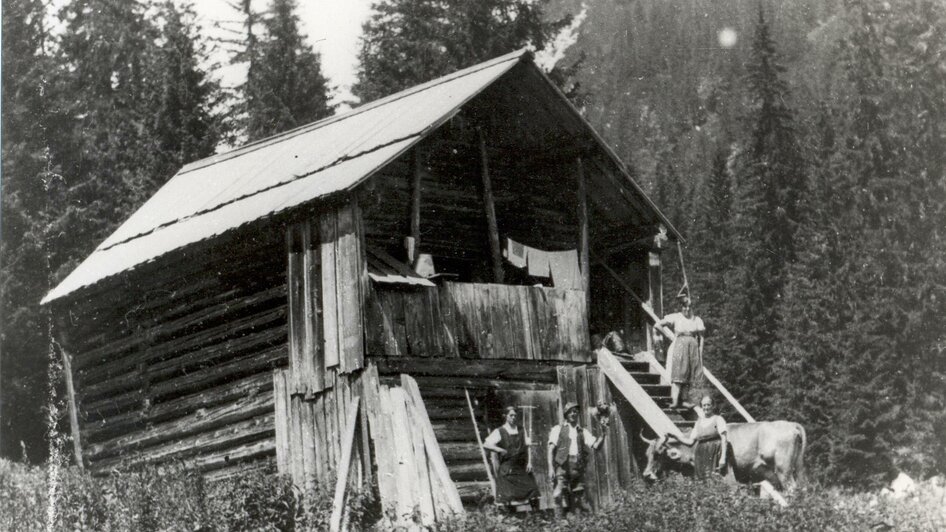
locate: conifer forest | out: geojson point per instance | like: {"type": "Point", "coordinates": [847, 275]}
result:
{"type": "Point", "coordinates": [804, 161]}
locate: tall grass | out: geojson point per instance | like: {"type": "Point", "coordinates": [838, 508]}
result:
{"type": "Point", "coordinates": [173, 499]}
{"type": "Point", "coordinates": [162, 499]}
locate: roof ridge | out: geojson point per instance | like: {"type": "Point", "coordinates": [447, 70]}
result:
{"type": "Point", "coordinates": [257, 144]}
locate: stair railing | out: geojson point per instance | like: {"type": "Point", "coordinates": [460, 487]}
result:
{"type": "Point", "coordinates": [652, 360]}
{"type": "Point", "coordinates": [706, 372]}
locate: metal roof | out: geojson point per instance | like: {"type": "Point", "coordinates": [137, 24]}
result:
{"type": "Point", "coordinates": [214, 195]}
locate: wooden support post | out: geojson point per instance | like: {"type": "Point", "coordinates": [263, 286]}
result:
{"type": "Point", "coordinates": [489, 206]}
{"type": "Point", "coordinates": [73, 407]}
{"type": "Point", "coordinates": [479, 442]}
{"type": "Point", "coordinates": [415, 207]}
{"type": "Point", "coordinates": [343, 465]}
{"type": "Point", "coordinates": [656, 284]}
{"type": "Point", "coordinates": [583, 260]}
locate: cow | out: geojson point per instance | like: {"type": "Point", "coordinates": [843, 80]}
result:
{"type": "Point", "coordinates": [768, 450]}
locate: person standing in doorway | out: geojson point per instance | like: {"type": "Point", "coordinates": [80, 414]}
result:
{"type": "Point", "coordinates": [569, 445]}
{"type": "Point", "coordinates": [686, 357]}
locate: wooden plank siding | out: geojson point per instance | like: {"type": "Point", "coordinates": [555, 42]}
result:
{"type": "Point", "coordinates": [181, 371]}
{"type": "Point", "coordinates": [612, 466]}
{"type": "Point", "coordinates": [484, 321]}
{"type": "Point", "coordinates": [307, 443]}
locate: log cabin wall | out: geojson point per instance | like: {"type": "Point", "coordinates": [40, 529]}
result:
{"type": "Point", "coordinates": [616, 310]}
{"type": "Point", "coordinates": [179, 367]}
{"type": "Point", "coordinates": [532, 207]}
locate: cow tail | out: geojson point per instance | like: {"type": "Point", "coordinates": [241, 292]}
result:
{"type": "Point", "coordinates": [799, 469]}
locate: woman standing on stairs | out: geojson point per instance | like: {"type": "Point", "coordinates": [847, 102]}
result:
{"type": "Point", "coordinates": [686, 357]}
{"type": "Point", "coordinates": [512, 463]}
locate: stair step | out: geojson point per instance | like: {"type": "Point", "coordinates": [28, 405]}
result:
{"type": "Point", "coordinates": [656, 390]}
{"type": "Point", "coordinates": [675, 415]}
{"type": "Point", "coordinates": [635, 367]}
{"type": "Point", "coordinates": [645, 378]}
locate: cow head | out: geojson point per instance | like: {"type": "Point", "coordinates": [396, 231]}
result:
{"type": "Point", "coordinates": [665, 454]}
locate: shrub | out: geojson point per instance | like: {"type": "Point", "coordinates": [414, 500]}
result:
{"type": "Point", "coordinates": [682, 504]}
{"type": "Point", "coordinates": [167, 498]}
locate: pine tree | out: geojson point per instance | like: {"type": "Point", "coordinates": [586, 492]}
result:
{"type": "Point", "coordinates": [108, 50]}
{"type": "Point", "coordinates": [891, 377]}
{"type": "Point", "coordinates": [285, 87]}
{"type": "Point", "coordinates": [30, 125]}
{"type": "Point", "coordinates": [770, 180]}
{"type": "Point", "coordinates": [93, 124]}
{"type": "Point", "coordinates": [816, 303]}
{"type": "Point", "coordinates": [186, 122]}
{"type": "Point", "coordinates": [710, 257]}
{"type": "Point", "coordinates": [407, 42]}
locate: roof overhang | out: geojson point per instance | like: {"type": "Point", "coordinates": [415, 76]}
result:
{"type": "Point", "coordinates": [226, 192]}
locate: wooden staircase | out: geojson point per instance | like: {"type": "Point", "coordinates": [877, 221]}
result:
{"type": "Point", "coordinates": [659, 393]}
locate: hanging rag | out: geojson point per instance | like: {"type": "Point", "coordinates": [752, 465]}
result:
{"type": "Point", "coordinates": [516, 253]}
{"type": "Point", "coordinates": [565, 270]}
{"type": "Point", "coordinates": [539, 264]}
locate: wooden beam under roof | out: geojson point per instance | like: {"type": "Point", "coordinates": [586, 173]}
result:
{"type": "Point", "coordinates": [619, 238]}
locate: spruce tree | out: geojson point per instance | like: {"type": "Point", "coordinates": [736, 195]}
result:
{"type": "Point", "coordinates": [285, 87]}
{"type": "Point", "coordinates": [108, 50]}
{"type": "Point", "coordinates": [890, 381]}
{"type": "Point", "coordinates": [770, 179]}
{"type": "Point", "coordinates": [30, 126]}
{"type": "Point", "coordinates": [815, 307]}
{"type": "Point", "coordinates": [187, 123]}
{"type": "Point", "coordinates": [710, 257]}
{"type": "Point", "coordinates": [407, 42]}
{"type": "Point", "coordinates": [94, 122]}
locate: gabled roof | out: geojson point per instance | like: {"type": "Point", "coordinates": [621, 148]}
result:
{"type": "Point", "coordinates": [215, 195]}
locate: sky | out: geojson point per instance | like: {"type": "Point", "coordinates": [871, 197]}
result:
{"type": "Point", "coordinates": [332, 27]}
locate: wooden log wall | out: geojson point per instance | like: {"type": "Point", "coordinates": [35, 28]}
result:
{"type": "Point", "coordinates": [530, 204]}
{"type": "Point", "coordinates": [612, 467]}
{"type": "Point", "coordinates": [179, 367]}
{"type": "Point", "coordinates": [487, 321]}
{"type": "Point", "coordinates": [613, 309]}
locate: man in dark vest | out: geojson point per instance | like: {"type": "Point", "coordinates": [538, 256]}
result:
{"type": "Point", "coordinates": [569, 445]}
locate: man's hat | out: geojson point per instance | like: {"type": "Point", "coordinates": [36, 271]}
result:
{"type": "Point", "coordinates": [568, 406]}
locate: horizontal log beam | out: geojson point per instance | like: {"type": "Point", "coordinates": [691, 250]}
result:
{"type": "Point", "coordinates": [200, 421]}
{"type": "Point", "coordinates": [518, 370]}
{"type": "Point", "coordinates": [205, 378]}
{"type": "Point", "coordinates": [225, 393]}
{"type": "Point", "coordinates": [175, 328]}
{"type": "Point", "coordinates": [229, 436]}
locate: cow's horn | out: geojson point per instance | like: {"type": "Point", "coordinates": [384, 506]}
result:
{"type": "Point", "coordinates": [648, 442]}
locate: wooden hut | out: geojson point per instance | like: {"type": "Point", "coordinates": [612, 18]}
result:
{"type": "Point", "coordinates": [422, 260]}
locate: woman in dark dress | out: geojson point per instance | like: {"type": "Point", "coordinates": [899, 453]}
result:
{"type": "Point", "coordinates": [710, 436]}
{"type": "Point", "coordinates": [512, 463]}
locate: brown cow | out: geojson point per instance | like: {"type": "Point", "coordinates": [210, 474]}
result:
{"type": "Point", "coordinates": [768, 450]}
